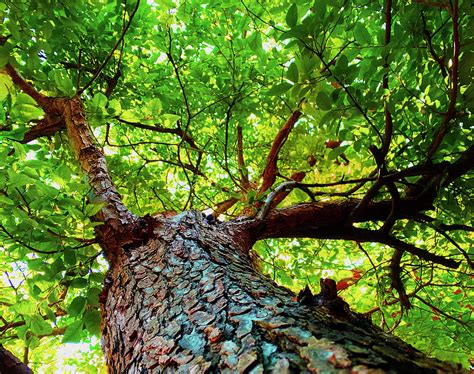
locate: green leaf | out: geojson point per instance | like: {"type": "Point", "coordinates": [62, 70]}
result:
{"type": "Point", "coordinates": [361, 34]}
{"type": "Point", "coordinates": [70, 258]}
{"type": "Point", "coordinates": [4, 200]}
{"type": "Point", "coordinates": [79, 283]}
{"type": "Point", "coordinates": [4, 56]}
{"type": "Point", "coordinates": [99, 101]}
{"type": "Point", "coordinates": [292, 73]}
{"type": "Point", "coordinates": [255, 42]}
{"type": "Point", "coordinates": [292, 15]}
{"type": "Point", "coordinates": [6, 85]}
{"type": "Point", "coordinates": [93, 296]}
{"type": "Point", "coordinates": [73, 332]}
{"type": "Point", "coordinates": [25, 108]}
{"type": "Point", "coordinates": [25, 308]}
{"type": "Point", "coordinates": [77, 306]}
{"type": "Point", "coordinates": [63, 82]}
{"type": "Point", "coordinates": [93, 208]}
{"type": "Point", "coordinates": [92, 321]}
{"type": "Point", "coordinates": [334, 153]}
{"type": "Point", "coordinates": [324, 101]}
{"type": "Point", "coordinates": [39, 326]}
{"type": "Point", "coordinates": [279, 89]}
{"type": "Point", "coordinates": [155, 106]}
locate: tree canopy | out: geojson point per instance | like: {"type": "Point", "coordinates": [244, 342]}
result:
{"type": "Point", "coordinates": [235, 108]}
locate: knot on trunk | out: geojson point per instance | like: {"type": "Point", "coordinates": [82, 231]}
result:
{"type": "Point", "coordinates": [326, 298]}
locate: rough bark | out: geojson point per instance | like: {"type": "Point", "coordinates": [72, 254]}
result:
{"type": "Point", "coordinates": [190, 300]}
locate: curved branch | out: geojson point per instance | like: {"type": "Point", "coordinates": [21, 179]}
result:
{"type": "Point", "coordinates": [270, 171]}
{"type": "Point", "coordinates": [109, 56]}
{"type": "Point", "coordinates": [163, 130]}
{"type": "Point", "coordinates": [397, 283]}
{"type": "Point", "coordinates": [310, 219]}
{"type": "Point", "coordinates": [43, 101]}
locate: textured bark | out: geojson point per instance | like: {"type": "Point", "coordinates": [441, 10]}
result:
{"type": "Point", "coordinates": [190, 300]}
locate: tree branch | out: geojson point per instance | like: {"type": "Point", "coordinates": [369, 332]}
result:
{"type": "Point", "coordinates": [433, 53]}
{"type": "Point", "coordinates": [163, 130]}
{"type": "Point", "coordinates": [270, 171]}
{"type": "Point", "coordinates": [109, 56]}
{"type": "Point", "coordinates": [92, 162]}
{"type": "Point", "coordinates": [43, 101]}
{"type": "Point", "coordinates": [397, 283]}
{"type": "Point", "coordinates": [451, 112]}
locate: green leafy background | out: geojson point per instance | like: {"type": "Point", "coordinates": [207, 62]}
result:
{"type": "Point", "coordinates": [208, 68]}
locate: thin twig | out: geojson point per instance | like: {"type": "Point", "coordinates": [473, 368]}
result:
{"type": "Point", "coordinates": [109, 56]}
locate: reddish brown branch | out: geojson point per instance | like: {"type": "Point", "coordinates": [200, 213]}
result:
{"type": "Point", "coordinates": [270, 171]}
{"type": "Point", "coordinates": [224, 206]}
{"type": "Point", "coordinates": [325, 220]}
{"type": "Point", "coordinates": [453, 94]}
{"type": "Point", "coordinates": [43, 128]}
{"type": "Point", "coordinates": [433, 4]}
{"type": "Point", "coordinates": [43, 101]}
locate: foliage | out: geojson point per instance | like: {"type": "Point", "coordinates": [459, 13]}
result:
{"type": "Point", "coordinates": [186, 108]}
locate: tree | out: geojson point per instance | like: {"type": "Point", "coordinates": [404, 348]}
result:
{"type": "Point", "coordinates": [344, 122]}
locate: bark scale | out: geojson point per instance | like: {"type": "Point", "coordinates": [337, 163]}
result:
{"type": "Point", "coordinates": [190, 300]}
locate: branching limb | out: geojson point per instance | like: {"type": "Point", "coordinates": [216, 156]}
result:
{"type": "Point", "coordinates": [228, 116]}
{"type": "Point", "coordinates": [392, 217]}
{"type": "Point", "coordinates": [440, 229]}
{"type": "Point", "coordinates": [224, 206]}
{"type": "Point", "coordinates": [428, 36]}
{"type": "Point", "coordinates": [297, 177]}
{"type": "Point", "coordinates": [270, 171]}
{"type": "Point", "coordinates": [92, 161]}
{"type": "Point", "coordinates": [325, 220]}
{"type": "Point", "coordinates": [43, 101]}
{"type": "Point", "coordinates": [163, 130]}
{"type": "Point", "coordinates": [178, 77]}
{"type": "Point", "coordinates": [281, 188]}
{"type": "Point", "coordinates": [26, 245]}
{"type": "Point", "coordinates": [427, 219]}
{"type": "Point", "coordinates": [461, 322]}
{"type": "Point", "coordinates": [43, 128]}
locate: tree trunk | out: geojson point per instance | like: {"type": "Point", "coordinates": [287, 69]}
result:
{"type": "Point", "coordinates": [191, 300]}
